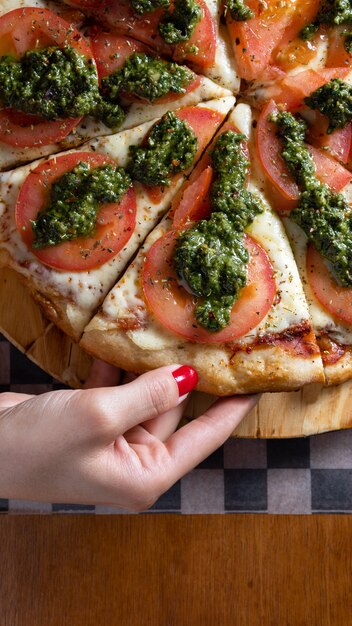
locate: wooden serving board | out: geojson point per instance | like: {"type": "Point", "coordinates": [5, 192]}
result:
{"type": "Point", "coordinates": [313, 409]}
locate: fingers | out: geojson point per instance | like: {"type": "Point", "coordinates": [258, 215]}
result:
{"type": "Point", "coordinates": [114, 410]}
{"type": "Point", "coordinates": [102, 375]}
{"type": "Point", "coordinates": [164, 425]}
{"type": "Point", "coordinates": [8, 399]}
{"type": "Point", "coordinates": [194, 442]}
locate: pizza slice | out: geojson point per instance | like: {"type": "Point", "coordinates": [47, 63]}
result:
{"type": "Point", "coordinates": [59, 88]}
{"type": "Point", "coordinates": [187, 31]}
{"type": "Point", "coordinates": [313, 193]}
{"type": "Point", "coordinates": [215, 285]}
{"type": "Point", "coordinates": [69, 224]}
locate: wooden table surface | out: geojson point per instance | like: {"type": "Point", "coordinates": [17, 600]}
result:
{"type": "Point", "coordinates": [168, 570]}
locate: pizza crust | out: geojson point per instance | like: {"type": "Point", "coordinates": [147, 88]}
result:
{"type": "Point", "coordinates": [264, 369]}
{"type": "Point", "coordinates": [341, 371]}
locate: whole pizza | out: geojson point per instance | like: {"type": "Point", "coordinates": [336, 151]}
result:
{"type": "Point", "coordinates": [175, 182]}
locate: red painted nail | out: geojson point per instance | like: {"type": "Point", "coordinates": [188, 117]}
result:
{"type": "Point", "coordinates": [186, 378]}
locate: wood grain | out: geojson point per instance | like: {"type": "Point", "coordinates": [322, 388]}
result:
{"type": "Point", "coordinates": [311, 410]}
{"type": "Point", "coordinates": [168, 570]}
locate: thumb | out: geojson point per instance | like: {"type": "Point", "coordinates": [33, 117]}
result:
{"type": "Point", "coordinates": [150, 395]}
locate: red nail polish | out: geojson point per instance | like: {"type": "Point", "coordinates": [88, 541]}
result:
{"type": "Point", "coordinates": [186, 378]}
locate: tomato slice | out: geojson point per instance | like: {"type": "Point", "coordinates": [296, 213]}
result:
{"type": "Point", "coordinates": [334, 298]}
{"type": "Point", "coordinates": [291, 90]}
{"type": "Point", "coordinates": [115, 222]}
{"type": "Point", "coordinates": [337, 55]}
{"type": "Point", "coordinates": [28, 29]}
{"type": "Point", "coordinates": [194, 204]}
{"type": "Point", "coordinates": [269, 147]}
{"type": "Point", "coordinates": [174, 307]}
{"type": "Point", "coordinates": [121, 18]}
{"type": "Point", "coordinates": [255, 39]}
{"type": "Point", "coordinates": [112, 51]}
{"type": "Point", "coordinates": [204, 123]}
{"type": "Point", "coordinates": [22, 130]}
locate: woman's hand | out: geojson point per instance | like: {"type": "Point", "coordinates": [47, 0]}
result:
{"type": "Point", "coordinates": [113, 445]}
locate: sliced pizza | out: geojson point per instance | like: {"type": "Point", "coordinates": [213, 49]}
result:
{"type": "Point", "coordinates": [215, 284]}
{"type": "Point", "coordinates": [59, 88]}
{"type": "Point", "coordinates": [313, 190]}
{"type": "Point", "coordinates": [69, 224]}
{"type": "Point", "coordinates": [187, 31]}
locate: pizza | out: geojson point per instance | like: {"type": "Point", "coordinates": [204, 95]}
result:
{"type": "Point", "coordinates": [176, 179]}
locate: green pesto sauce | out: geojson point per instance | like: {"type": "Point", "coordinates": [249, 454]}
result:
{"type": "Point", "coordinates": [146, 77]}
{"type": "Point", "coordinates": [330, 13]}
{"type": "Point", "coordinates": [170, 148]}
{"type": "Point", "coordinates": [145, 6]}
{"type": "Point", "coordinates": [211, 257]}
{"type": "Point", "coordinates": [178, 26]}
{"type": "Point", "coordinates": [323, 214]}
{"type": "Point", "coordinates": [74, 203]}
{"type": "Point", "coordinates": [334, 99]}
{"type": "Point", "coordinates": [238, 10]}
{"type": "Point", "coordinates": [55, 83]}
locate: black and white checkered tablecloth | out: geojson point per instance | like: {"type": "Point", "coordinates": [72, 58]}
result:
{"type": "Point", "coordinates": [275, 476]}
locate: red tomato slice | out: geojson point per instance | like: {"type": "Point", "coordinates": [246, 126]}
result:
{"type": "Point", "coordinates": [173, 306]}
{"type": "Point", "coordinates": [334, 298]}
{"type": "Point", "coordinates": [194, 204]}
{"type": "Point", "coordinates": [337, 55]}
{"type": "Point", "coordinates": [115, 222]}
{"type": "Point", "coordinates": [269, 148]}
{"type": "Point", "coordinates": [292, 50]}
{"type": "Point", "coordinates": [292, 89]}
{"type": "Point", "coordinates": [29, 29]}
{"type": "Point", "coordinates": [203, 122]}
{"type": "Point", "coordinates": [328, 170]}
{"type": "Point", "coordinates": [121, 18]}
{"type": "Point", "coordinates": [255, 40]}
{"type": "Point", "coordinates": [28, 131]}
{"type": "Point", "coordinates": [203, 38]}
{"type": "Point", "coordinates": [112, 51]}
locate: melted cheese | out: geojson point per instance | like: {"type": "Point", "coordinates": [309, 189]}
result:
{"type": "Point", "coordinates": [126, 299]}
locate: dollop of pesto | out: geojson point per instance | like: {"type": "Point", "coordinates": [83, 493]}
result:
{"type": "Point", "coordinates": [146, 77]}
{"type": "Point", "coordinates": [211, 257]}
{"type": "Point", "coordinates": [238, 10]}
{"type": "Point", "coordinates": [324, 215]}
{"type": "Point", "coordinates": [145, 6]}
{"type": "Point", "coordinates": [170, 148]}
{"type": "Point", "coordinates": [334, 99]}
{"type": "Point", "coordinates": [74, 203]}
{"type": "Point", "coordinates": [178, 25]}
{"type": "Point", "coordinates": [330, 13]}
{"type": "Point", "coordinates": [55, 83]}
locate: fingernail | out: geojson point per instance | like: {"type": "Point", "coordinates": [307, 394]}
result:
{"type": "Point", "coordinates": [186, 378]}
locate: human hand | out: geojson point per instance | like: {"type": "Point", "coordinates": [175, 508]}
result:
{"type": "Point", "coordinates": [112, 445]}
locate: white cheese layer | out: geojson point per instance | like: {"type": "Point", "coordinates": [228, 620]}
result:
{"type": "Point", "coordinates": [126, 301]}
{"type": "Point", "coordinates": [87, 289]}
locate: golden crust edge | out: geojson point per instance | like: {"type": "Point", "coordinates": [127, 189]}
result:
{"type": "Point", "coordinates": [339, 372]}
{"type": "Point", "coordinates": [264, 369]}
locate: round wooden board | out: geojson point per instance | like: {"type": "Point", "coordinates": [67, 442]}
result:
{"type": "Point", "coordinates": [314, 409]}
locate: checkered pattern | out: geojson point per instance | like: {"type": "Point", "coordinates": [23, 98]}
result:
{"type": "Point", "coordinates": [275, 476]}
